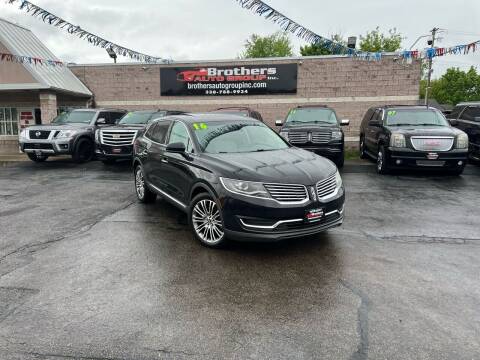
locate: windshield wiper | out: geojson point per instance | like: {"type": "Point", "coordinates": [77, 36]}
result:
{"type": "Point", "coordinates": [429, 125]}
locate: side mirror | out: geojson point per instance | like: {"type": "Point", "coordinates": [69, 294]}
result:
{"type": "Point", "coordinates": [177, 147]}
{"type": "Point", "coordinates": [278, 122]}
{"type": "Point", "coordinates": [101, 121]}
{"type": "Point", "coordinates": [344, 122]}
{"type": "Point", "coordinates": [454, 122]}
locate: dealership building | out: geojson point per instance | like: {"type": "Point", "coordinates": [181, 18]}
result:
{"type": "Point", "coordinates": [32, 94]}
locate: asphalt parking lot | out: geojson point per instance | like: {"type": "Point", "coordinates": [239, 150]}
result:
{"type": "Point", "coordinates": [87, 272]}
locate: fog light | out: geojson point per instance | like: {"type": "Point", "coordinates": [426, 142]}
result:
{"type": "Point", "coordinates": [398, 162]}
{"type": "Point", "coordinates": [460, 163]}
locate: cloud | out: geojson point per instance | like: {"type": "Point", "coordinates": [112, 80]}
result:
{"type": "Point", "coordinates": [217, 29]}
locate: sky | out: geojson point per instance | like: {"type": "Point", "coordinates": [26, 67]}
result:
{"type": "Point", "coordinates": [218, 29]}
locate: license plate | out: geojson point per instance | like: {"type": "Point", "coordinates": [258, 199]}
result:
{"type": "Point", "coordinates": [314, 215]}
{"type": "Point", "coordinates": [117, 151]}
{"type": "Point", "coordinates": [432, 163]}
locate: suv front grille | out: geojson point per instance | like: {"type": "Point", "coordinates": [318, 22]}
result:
{"type": "Point", "coordinates": [431, 143]}
{"type": "Point", "coordinates": [39, 134]}
{"type": "Point", "coordinates": [321, 137]}
{"type": "Point", "coordinates": [117, 137]}
{"type": "Point", "coordinates": [297, 137]}
{"type": "Point", "coordinates": [288, 193]}
{"type": "Point", "coordinates": [326, 187]}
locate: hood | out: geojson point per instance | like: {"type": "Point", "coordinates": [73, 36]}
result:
{"type": "Point", "coordinates": [72, 126]}
{"type": "Point", "coordinates": [289, 166]}
{"type": "Point", "coordinates": [309, 127]}
{"type": "Point", "coordinates": [425, 130]}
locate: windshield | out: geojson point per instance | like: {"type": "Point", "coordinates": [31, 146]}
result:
{"type": "Point", "coordinates": [415, 117]}
{"type": "Point", "coordinates": [312, 115]}
{"type": "Point", "coordinates": [84, 117]}
{"type": "Point", "coordinates": [135, 118]}
{"type": "Point", "coordinates": [240, 137]}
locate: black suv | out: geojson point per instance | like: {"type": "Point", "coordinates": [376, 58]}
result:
{"type": "Point", "coordinates": [315, 128]}
{"type": "Point", "coordinates": [466, 117]}
{"type": "Point", "coordinates": [236, 178]}
{"type": "Point", "coordinates": [241, 111]}
{"type": "Point", "coordinates": [412, 136]}
{"type": "Point", "coordinates": [70, 133]}
{"type": "Point", "coordinates": [116, 142]}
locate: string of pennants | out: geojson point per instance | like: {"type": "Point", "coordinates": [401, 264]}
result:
{"type": "Point", "coordinates": [29, 60]}
{"type": "Point", "coordinates": [288, 25]}
{"type": "Point", "coordinates": [54, 20]}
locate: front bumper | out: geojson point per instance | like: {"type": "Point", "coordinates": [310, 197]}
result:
{"type": "Point", "coordinates": [408, 158]}
{"type": "Point", "coordinates": [47, 146]}
{"type": "Point", "coordinates": [104, 152]}
{"type": "Point", "coordinates": [251, 219]}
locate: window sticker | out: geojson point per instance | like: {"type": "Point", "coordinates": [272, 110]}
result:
{"type": "Point", "coordinates": [200, 126]}
{"type": "Point", "coordinates": [392, 113]}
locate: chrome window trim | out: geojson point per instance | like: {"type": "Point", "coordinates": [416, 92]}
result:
{"type": "Point", "coordinates": [163, 193]}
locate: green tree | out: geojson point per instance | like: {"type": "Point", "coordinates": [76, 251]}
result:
{"type": "Point", "coordinates": [314, 49]}
{"type": "Point", "coordinates": [275, 45]}
{"type": "Point", "coordinates": [375, 41]}
{"type": "Point", "coordinates": [454, 86]}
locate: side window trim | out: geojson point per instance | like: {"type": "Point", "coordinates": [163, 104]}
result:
{"type": "Point", "coordinates": [461, 113]}
{"type": "Point", "coordinates": [155, 123]}
{"type": "Point", "coordinates": [190, 141]}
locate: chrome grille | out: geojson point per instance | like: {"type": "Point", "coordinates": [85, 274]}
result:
{"type": "Point", "coordinates": [288, 193]}
{"type": "Point", "coordinates": [38, 134]}
{"type": "Point", "coordinates": [297, 137]}
{"type": "Point", "coordinates": [431, 143]}
{"type": "Point", "coordinates": [326, 187]}
{"type": "Point", "coordinates": [321, 137]}
{"type": "Point", "coordinates": [117, 137]}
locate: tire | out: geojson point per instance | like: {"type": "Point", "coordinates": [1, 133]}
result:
{"type": "Point", "coordinates": [340, 161]}
{"type": "Point", "coordinates": [382, 161]}
{"type": "Point", "coordinates": [361, 148]}
{"type": "Point", "coordinates": [83, 151]}
{"type": "Point", "coordinates": [35, 158]}
{"type": "Point", "coordinates": [144, 194]}
{"type": "Point", "coordinates": [109, 161]}
{"type": "Point", "coordinates": [206, 221]}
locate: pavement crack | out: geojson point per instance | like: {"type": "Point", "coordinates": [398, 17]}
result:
{"type": "Point", "coordinates": [362, 321]}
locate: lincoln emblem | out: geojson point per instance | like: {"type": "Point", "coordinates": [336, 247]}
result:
{"type": "Point", "coordinates": [313, 193]}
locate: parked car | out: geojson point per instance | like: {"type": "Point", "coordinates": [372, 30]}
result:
{"type": "Point", "coordinates": [241, 111]}
{"type": "Point", "coordinates": [315, 128]}
{"type": "Point", "coordinates": [70, 133]}
{"type": "Point", "coordinates": [412, 136]}
{"type": "Point", "coordinates": [466, 117]}
{"type": "Point", "coordinates": [236, 178]}
{"type": "Point", "coordinates": [116, 142]}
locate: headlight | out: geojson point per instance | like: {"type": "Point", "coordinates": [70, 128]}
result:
{"type": "Point", "coordinates": [65, 134]}
{"type": "Point", "coordinates": [336, 135]}
{"type": "Point", "coordinates": [397, 140]}
{"type": "Point", "coordinates": [338, 180]}
{"type": "Point", "coordinates": [284, 134]}
{"type": "Point", "coordinates": [24, 134]}
{"type": "Point", "coordinates": [462, 141]}
{"type": "Point", "coordinates": [246, 188]}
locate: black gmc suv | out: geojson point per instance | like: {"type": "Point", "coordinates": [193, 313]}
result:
{"type": "Point", "coordinates": [236, 178]}
{"type": "Point", "coordinates": [412, 136]}
{"type": "Point", "coordinates": [116, 142]}
{"type": "Point", "coordinates": [466, 117]}
{"type": "Point", "coordinates": [315, 128]}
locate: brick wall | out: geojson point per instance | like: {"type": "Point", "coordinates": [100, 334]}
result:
{"type": "Point", "coordinates": [348, 85]}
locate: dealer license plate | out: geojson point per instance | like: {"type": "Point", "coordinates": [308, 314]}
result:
{"type": "Point", "coordinates": [432, 163]}
{"type": "Point", "coordinates": [314, 215]}
{"type": "Point", "coordinates": [117, 151]}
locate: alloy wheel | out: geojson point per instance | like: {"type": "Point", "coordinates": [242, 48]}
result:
{"type": "Point", "coordinates": [140, 183]}
{"type": "Point", "coordinates": [207, 222]}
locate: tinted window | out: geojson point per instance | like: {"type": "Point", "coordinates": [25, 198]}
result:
{"type": "Point", "coordinates": [105, 115]}
{"type": "Point", "coordinates": [84, 117]}
{"type": "Point", "coordinates": [179, 134]}
{"type": "Point", "coordinates": [227, 137]}
{"type": "Point", "coordinates": [158, 131]}
{"type": "Point", "coordinates": [367, 116]}
{"type": "Point", "coordinates": [455, 112]}
{"type": "Point", "coordinates": [115, 116]}
{"type": "Point", "coordinates": [136, 117]}
{"type": "Point", "coordinates": [312, 115]}
{"type": "Point", "coordinates": [471, 113]}
{"type": "Point", "coordinates": [415, 117]}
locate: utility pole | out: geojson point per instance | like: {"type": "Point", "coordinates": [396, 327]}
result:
{"type": "Point", "coordinates": [430, 63]}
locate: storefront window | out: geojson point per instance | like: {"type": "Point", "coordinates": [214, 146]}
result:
{"type": "Point", "coordinates": [8, 121]}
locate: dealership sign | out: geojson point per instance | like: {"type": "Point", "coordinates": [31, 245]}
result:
{"type": "Point", "coordinates": [229, 80]}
